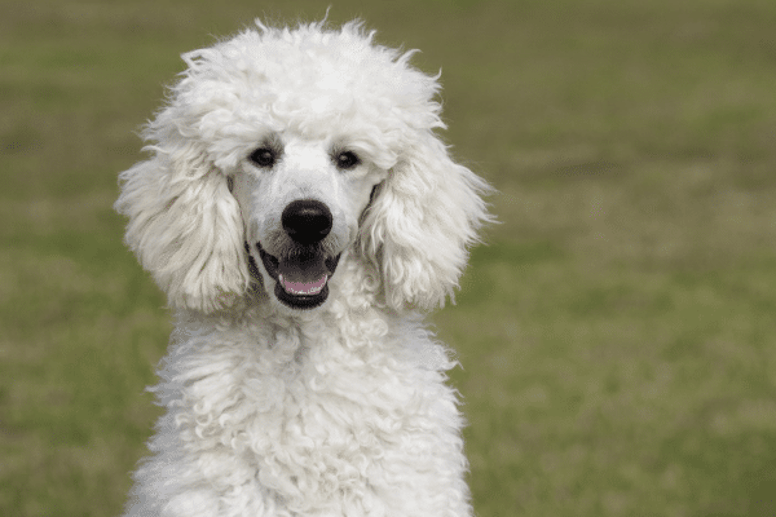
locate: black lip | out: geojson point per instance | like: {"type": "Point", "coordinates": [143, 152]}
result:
{"type": "Point", "coordinates": [301, 301]}
{"type": "Point", "coordinates": [271, 263]}
{"type": "Point", "coordinates": [296, 301]}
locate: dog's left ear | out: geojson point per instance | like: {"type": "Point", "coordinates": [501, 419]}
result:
{"type": "Point", "coordinates": [421, 222]}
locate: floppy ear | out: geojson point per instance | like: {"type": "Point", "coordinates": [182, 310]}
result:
{"type": "Point", "coordinates": [185, 226]}
{"type": "Point", "coordinates": [420, 224]}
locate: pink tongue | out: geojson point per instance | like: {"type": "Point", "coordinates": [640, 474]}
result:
{"type": "Point", "coordinates": [307, 288]}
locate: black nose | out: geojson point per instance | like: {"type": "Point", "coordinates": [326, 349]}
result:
{"type": "Point", "coordinates": [307, 221]}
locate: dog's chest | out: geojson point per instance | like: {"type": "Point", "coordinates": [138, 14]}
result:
{"type": "Point", "coordinates": [338, 421]}
{"type": "Point", "coordinates": [314, 420]}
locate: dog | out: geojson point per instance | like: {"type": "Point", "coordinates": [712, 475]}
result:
{"type": "Point", "coordinates": [302, 216]}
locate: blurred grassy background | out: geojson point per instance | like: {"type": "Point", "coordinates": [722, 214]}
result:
{"type": "Point", "coordinates": [617, 336]}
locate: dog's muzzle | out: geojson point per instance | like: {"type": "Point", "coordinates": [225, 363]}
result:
{"type": "Point", "coordinates": [302, 272]}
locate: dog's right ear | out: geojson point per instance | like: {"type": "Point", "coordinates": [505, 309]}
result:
{"type": "Point", "coordinates": [185, 226]}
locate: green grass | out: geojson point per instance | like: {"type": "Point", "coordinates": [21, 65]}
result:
{"type": "Point", "coordinates": [616, 336]}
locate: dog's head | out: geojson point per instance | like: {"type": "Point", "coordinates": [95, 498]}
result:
{"type": "Point", "coordinates": [281, 152]}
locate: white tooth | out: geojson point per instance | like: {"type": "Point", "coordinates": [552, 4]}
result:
{"type": "Point", "coordinates": [288, 287]}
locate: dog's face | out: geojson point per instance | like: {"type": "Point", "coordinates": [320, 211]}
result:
{"type": "Point", "coordinates": [263, 168]}
{"type": "Point", "coordinates": [301, 201]}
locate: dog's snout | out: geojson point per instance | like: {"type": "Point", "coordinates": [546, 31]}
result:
{"type": "Point", "coordinates": [307, 221]}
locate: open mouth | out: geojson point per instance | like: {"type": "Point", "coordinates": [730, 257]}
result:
{"type": "Point", "coordinates": [301, 279]}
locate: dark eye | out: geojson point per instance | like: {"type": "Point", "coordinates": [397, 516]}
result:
{"type": "Point", "coordinates": [347, 160]}
{"type": "Point", "coordinates": [263, 157]}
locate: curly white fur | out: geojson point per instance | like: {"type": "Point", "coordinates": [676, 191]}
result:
{"type": "Point", "coordinates": [327, 399]}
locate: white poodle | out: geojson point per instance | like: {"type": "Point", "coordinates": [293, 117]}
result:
{"type": "Point", "coordinates": [301, 215]}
